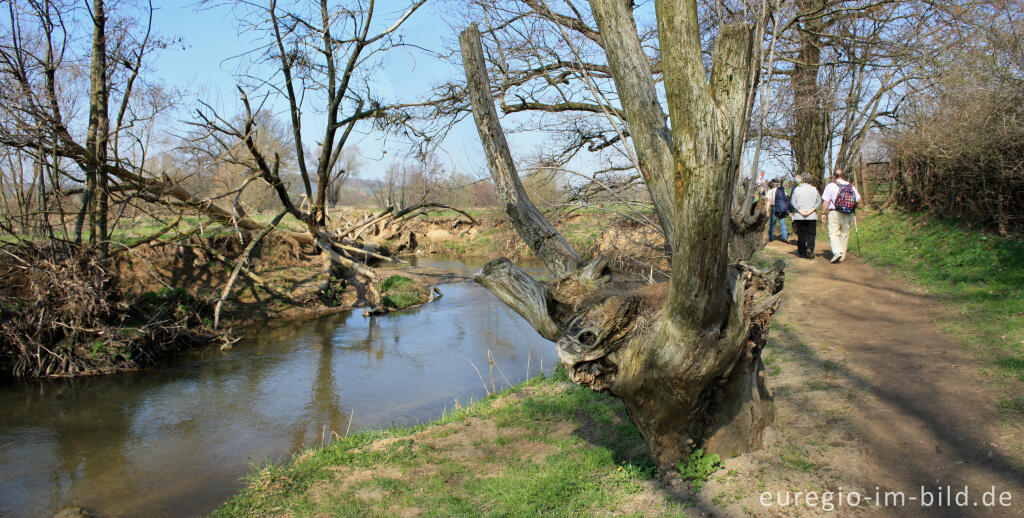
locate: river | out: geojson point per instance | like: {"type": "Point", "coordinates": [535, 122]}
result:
{"type": "Point", "coordinates": [175, 439]}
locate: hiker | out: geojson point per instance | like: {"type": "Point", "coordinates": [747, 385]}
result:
{"type": "Point", "coordinates": [840, 198]}
{"type": "Point", "coordinates": [803, 204]}
{"type": "Point", "coordinates": [778, 208]}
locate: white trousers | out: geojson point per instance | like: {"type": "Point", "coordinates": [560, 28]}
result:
{"type": "Point", "coordinates": [839, 231]}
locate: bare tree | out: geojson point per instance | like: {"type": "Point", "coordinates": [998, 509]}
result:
{"type": "Point", "coordinates": [42, 86]}
{"type": "Point", "coordinates": [808, 138]}
{"type": "Point", "coordinates": [844, 68]}
{"type": "Point", "coordinates": [65, 290]}
{"type": "Point", "coordinates": [683, 355]}
{"type": "Point", "coordinates": [550, 74]}
{"type": "Point", "coordinates": [316, 58]}
{"type": "Point", "coordinates": [958, 146]}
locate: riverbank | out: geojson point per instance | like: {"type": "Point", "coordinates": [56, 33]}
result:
{"type": "Point", "coordinates": [174, 439]}
{"type": "Point", "coordinates": [545, 446]}
{"type": "Point", "coordinates": [162, 295]}
{"type": "Point", "coordinates": [874, 395]}
{"type": "Point", "coordinates": [288, 281]}
{"type": "Point", "coordinates": [156, 298]}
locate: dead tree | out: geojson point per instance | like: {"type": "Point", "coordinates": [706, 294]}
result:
{"type": "Point", "coordinates": [684, 355]}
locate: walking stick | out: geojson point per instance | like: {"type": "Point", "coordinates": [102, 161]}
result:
{"type": "Point", "coordinates": [856, 233]}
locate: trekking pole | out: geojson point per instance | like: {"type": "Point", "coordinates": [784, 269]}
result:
{"type": "Point", "coordinates": [856, 233]}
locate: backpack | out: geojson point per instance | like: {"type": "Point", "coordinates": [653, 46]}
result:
{"type": "Point", "coordinates": [846, 200]}
{"type": "Point", "coordinates": [781, 203]}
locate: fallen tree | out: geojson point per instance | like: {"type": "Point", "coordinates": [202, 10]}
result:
{"type": "Point", "coordinates": [684, 356]}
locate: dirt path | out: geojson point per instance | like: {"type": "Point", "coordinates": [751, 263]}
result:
{"type": "Point", "coordinates": [871, 394]}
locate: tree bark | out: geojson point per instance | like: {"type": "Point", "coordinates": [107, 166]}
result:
{"type": "Point", "coordinates": [540, 235]}
{"type": "Point", "coordinates": [98, 132]}
{"type": "Point", "coordinates": [683, 355]}
{"type": "Point", "coordinates": [518, 290]}
{"type": "Point", "coordinates": [645, 119]}
{"type": "Point", "coordinates": [808, 139]}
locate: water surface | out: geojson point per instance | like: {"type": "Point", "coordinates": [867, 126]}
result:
{"type": "Point", "coordinates": [173, 440]}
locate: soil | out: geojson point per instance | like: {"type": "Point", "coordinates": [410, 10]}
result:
{"type": "Point", "coordinates": [871, 394]}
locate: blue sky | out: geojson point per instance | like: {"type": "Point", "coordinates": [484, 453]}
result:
{"type": "Point", "coordinates": [205, 66]}
{"type": "Point", "coordinates": [207, 62]}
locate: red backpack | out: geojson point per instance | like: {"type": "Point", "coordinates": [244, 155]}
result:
{"type": "Point", "coordinates": [846, 200]}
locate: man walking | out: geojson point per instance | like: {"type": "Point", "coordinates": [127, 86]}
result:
{"type": "Point", "coordinates": [803, 203]}
{"type": "Point", "coordinates": [778, 209]}
{"type": "Point", "coordinates": [840, 199]}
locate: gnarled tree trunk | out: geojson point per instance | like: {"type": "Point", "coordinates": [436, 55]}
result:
{"type": "Point", "coordinates": [684, 355]}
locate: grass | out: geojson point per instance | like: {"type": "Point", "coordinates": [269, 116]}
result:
{"type": "Point", "coordinates": [980, 275]}
{"type": "Point", "coordinates": [401, 292]}
{"type": "Point", "coordinates": [128, 231]}
{"type": "Point", "coordinates": [796, 456]}
{"type": "Point", "coordinates": [584, 233]}
{"type": "Point", "coordinates": [581, 231]}
{"type": "Point", "coordinates": [553, 449]}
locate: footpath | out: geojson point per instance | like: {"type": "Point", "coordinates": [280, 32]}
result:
{"type": "Point", "coordinates": [875, 404]}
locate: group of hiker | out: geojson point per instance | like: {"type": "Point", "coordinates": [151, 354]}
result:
{"type": "Point", "coordinates": [837, 204]}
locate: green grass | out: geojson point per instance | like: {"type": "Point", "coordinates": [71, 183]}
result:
{"type": "Point", "coordinates": [401, 292]}
{"type": "Point", "coordinates": [981, 276]}
{"type": "Point", "coordinates": [380, 473]}
{"type": "Point", "coordinates": [796, 456]}
{"type": "Point", "coordinates": [288, 221]}
{"type": "Point", "coordinates": [456, 247]}
{"type": "Point", "coordinates": [128, 232]}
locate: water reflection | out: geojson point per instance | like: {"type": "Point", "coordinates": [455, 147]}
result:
{"type": "Point", "coordinates": [173, 440]}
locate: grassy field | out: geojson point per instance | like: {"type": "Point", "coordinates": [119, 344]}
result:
{"type": "Point", "coordinates": [128, 231]}
{"type": "Point", "coordinates": [543, 447]}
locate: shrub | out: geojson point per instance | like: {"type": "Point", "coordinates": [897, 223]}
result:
{"type": "Point", "coordinates": [66, 314]}
{"type": "Point", "coordinates": [699, 467]}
